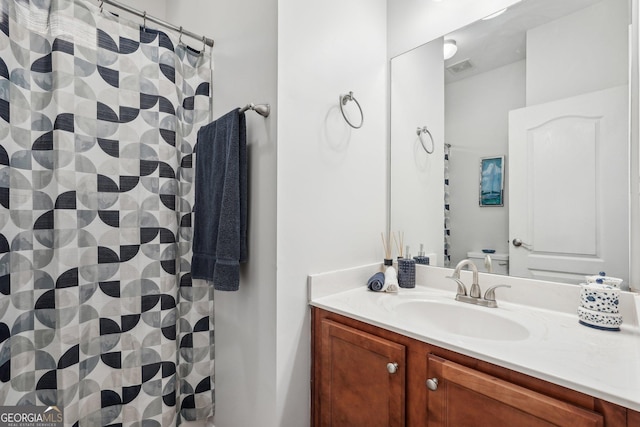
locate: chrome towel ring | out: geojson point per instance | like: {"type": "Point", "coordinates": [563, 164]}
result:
{"type": "Point", "coordinates": [422, 130]}
{"type": "Point", "coordinates": [343, 101]}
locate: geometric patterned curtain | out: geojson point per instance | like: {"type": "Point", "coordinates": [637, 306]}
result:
{"type": "Point", "coordinates": [447, 208]}
{"type": "Point", "coordinates": [98, 312]}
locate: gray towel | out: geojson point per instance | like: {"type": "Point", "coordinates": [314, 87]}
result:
{"type": "Point", "coordinates": [376, 282]}
{"type": "Point", "coordinates": [220, 208]}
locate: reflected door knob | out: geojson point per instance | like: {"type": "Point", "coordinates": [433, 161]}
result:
{"type": "Point", "coordinates": [432, 384]}
{"type": "Point", "coordinates": [392, 367]}
{"type": "Point", "coordinates": [518, 242]}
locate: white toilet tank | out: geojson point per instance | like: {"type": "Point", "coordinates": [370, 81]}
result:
{"type": "Point", "coordinates": [499, 262]}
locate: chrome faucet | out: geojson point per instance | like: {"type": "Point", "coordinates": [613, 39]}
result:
{"type": "Point", "coordinates": [474, 292]}
{"type": "Point", "coordinates": [474, 296]}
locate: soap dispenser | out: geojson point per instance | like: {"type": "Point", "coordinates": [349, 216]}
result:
{"type": "Point", "coordinates": [407, 271]}
{"type": "Point", "coordinates": [421, 258]}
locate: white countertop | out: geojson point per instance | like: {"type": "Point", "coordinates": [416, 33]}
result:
{"type": "Point", "coordinates": [558, 349]}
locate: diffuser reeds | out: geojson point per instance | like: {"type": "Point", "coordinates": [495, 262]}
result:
{"type": "Point", "coordinates": [399, 242]}
{"type": "Point", "coordinates": [386, 245]}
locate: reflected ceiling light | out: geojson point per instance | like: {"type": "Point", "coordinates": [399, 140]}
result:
{"type": "Point", "coordinates": [493, 15]}
{"type": "Point", "coordinates": [449, 49]}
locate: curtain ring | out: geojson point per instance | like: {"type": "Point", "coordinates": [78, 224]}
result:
{"type": "Point", "coordinates": [422, 130]}
{"type": "Point", "coordinates": [180, 38]}
{"type": "Point", "coordinates": [144, 21]}
{"type": "Point", "coordinates": [101, 4]}
{"type": "Point", "coordinates": [204, 44]}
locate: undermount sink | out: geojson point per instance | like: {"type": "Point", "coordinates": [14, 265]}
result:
{"type": "Point", "coordinates": [463, 319]}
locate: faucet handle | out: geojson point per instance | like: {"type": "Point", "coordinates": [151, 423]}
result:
{"type": "Point", "coordinates": [462, 290]}
{"type": "Point", "coordinates": [490, 294]}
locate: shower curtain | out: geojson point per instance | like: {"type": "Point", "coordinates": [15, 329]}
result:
{"type": "Point", "coordinates": [98, 313]}
{"type": "Point", "coordinates": [447, 210]}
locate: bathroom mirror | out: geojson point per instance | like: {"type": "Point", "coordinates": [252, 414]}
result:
{"type": "Point", "coordinates": [544, 83]}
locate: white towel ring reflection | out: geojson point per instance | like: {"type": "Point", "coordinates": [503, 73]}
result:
{"type": "Point", "coordinates": [419, 132]}
{"type": "Point", "coordinates": [343, 101]}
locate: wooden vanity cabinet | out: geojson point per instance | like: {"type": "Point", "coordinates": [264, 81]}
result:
{"type": "Point", "coordinates": [633, 419]}
{"type": "Point", "coordinates": [363, 378]}
{"type": "Point", "coordinates": [353, 387]}
{"type": "Point", "coordinates": [461, 396]}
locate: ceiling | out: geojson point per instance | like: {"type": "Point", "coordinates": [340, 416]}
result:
{"type": "Point", "coordinates": [502, 40]}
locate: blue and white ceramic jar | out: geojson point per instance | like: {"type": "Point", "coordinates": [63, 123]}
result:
{"type": "Point", "coordinates": [599, 320]}
{"type": "Point", "coordinates": [600, 297]}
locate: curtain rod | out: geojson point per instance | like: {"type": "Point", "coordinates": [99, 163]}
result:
{"type": "Point", "coordinates": [207, 41]}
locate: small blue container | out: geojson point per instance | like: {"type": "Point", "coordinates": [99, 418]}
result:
{"type": "Point", "coordinates": [421, 258]}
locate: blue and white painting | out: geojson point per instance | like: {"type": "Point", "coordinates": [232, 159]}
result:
{"type": "Point", "coordinates": [491, 181]}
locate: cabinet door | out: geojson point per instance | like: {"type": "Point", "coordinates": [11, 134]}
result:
{"type": "Point", "coordinates": [357, 388]}
{"type": "Point", "coordinates": [468, 398]}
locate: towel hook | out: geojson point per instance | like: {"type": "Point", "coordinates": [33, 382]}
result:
{"type": "Point", "coordinates": [422, 130]}
{"type": "Point", "coordinates": [343, 101]}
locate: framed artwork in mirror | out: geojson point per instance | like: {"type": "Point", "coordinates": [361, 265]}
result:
{"type": "Point", "coordinates": [492, 181]}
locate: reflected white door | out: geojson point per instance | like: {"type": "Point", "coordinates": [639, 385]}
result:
{"type": "Point", "coordinates": [568, 187]}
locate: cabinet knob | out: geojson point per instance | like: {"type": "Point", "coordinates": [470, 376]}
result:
{"type": "Point", "coordinates": [392, 367]}
{"type": "Point", "coordinates": [432, 384]}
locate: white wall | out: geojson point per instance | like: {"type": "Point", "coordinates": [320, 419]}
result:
{"type": "Point", "coordinates": [417, 178]}
{"type": "Point", "coordinates": [331, 182]}
{"type": "Point", "coordinates": [156, 8]}
{"type": "Point", "coordinates": [415, 22]}
{"type": "Point", "coordinates": [477, 125]}
{"type": "Point", "coordinates": [635, 154]}
{"type": "Point", "coordinates": [331, 178]}
{"type": "Point", "coordinates": [582, 52]}
{"type": "Point", "coordinates": [245, 36]}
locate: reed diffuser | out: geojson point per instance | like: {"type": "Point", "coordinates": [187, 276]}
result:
{"type": "Point", "coordinates": [390, 274]}
{"type": "Point", "coordinates": [399, 242]}
{"type": "Point", "coordinates": [386, 246]}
